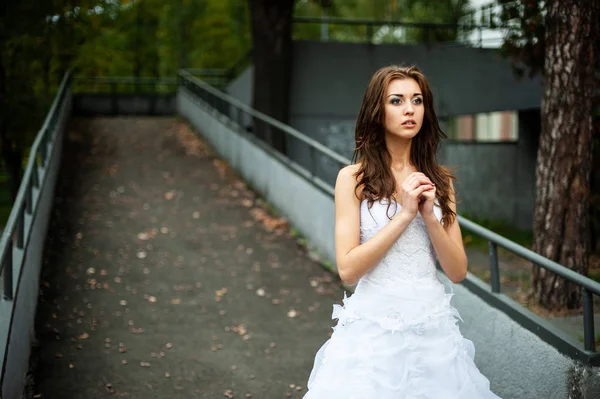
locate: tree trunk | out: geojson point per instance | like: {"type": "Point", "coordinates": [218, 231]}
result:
{"type": "Point", "coordinates": [561, 228]}
{"type": "Point", "coordinates": [272, 56]}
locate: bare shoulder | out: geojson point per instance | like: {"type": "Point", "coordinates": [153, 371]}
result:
{"type": "Point", "coordinates": [349, 172]}
{"type": "Point", "coordinates": [347, 179]}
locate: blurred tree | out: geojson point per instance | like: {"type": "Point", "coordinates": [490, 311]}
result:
{"type": "Point", "coordinates": [271, 22]}
{"type": "Point", "coordinates": [559, 39]}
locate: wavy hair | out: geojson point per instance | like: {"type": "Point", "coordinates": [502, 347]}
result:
{"type": "Point", "coordinates": [374, 175]}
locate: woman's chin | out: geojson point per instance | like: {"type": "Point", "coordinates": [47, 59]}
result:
{"type": "Point", "coordinates": [404, 134]}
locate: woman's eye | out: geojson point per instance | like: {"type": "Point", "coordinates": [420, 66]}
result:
{"type": "Point", "coordinates": [395, 101]}
{"type": "Point", "coordinates": [418, 100]}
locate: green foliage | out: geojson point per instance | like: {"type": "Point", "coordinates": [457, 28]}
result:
{"type": "Point", "coordinates": [413, 11]}
{"type": "Point", "coordinates": [525, 38]}
{"type": "Point", "coordinates": [505, 229]}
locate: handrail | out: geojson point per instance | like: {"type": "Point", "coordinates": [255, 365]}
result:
{"type": "Point", "coordinates": [125, 79]}
{"type": "Point", "coordinates": [525, 317]}
{"type": "Point", "coordinates": [426, 26]}
{"type": "Point", "coordinates": [266, 118]}
{"type": "Point", "coordinates": [380, 22]}
{"type": "Point", "coordinates": [531, 256]}
{"type": "Point", "coordinates": [15, 219]}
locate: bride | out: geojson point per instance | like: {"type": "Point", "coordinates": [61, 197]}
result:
{"type": "Point", "coordinates": [397, 335]}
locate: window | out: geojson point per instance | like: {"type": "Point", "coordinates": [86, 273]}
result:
{"type": "Point", "coordinates": [485, 127]}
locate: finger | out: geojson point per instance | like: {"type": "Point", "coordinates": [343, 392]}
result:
{"type": "Point", "coordinates": [422, 176]}
{"type": "Point", "coordinates": [417, 181]}
{"type": "Point", "coordinates": [420, 189]}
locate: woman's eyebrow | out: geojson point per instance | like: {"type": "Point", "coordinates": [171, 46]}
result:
{"type": "Point", "coordinates": [402, 95]}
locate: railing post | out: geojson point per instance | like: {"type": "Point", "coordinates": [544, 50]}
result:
{"type": "Point", "coordinates": [312, 167]}
{"type": "Point", "coordinates": [21, 228]}
{"type": "Point", "coordinates": [113, 98]}
{"type": "Point", "coordinates": [29, 198]}
{"type": "Point", "coordinates": [8, 272]}
{"type": "Point", "coordinates": [35, 173]}
{"type": "Point", "coordinates": [370, 33]}
{"type": "Point", "coordinates": [589, 337]}
{"type": "Point", "coordinates": [44, 148]}
{"type": "Point", "coordinates": [494, 273]}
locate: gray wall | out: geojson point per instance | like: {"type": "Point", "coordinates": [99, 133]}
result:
{"type": "Point", "coordinates": [495, 181]}
{"type": "Point", "coordinates": [517, 363]}
{"type": "Point", "coordinates": [241, 87]}
{"type": "Point", "coordinates": [329, 79]}
{"type": "Point", "coordinates": [88, 104]}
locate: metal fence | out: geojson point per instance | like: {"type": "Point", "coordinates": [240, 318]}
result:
{"type": "Point", "coordinates": [22, 244]}
{"type": "Point", "coordinates": [124, 95]}
{"type": "Point", "coordinates": [367, 30]}
{"type": "Point", "coordinates": [240, 116]}
{"type": "Point", "coordinates": [264, 130]}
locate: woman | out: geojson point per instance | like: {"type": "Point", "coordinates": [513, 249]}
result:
{"type": "Point", "coordinates": [397, 335]}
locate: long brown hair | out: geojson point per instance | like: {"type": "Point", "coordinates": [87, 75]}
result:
{"type": "Point", "coordinates": [374, 175]}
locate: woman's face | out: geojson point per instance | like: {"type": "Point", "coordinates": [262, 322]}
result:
{"type": "Point", "coordinates": [404, 109]}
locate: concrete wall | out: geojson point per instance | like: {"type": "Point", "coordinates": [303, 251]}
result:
{"type": "Point", "coordinates": [17, 332]}
{"type": "Point", "coordinates": [517, 363]}
{"type": "Point", "coordinates": [495, 181]}
{"type": "Point", "coordinates": [85, 104]}
{"type": "Point", "coordinates": [329, 79]}
{"type": "Point", "coordinates": [241, 87]}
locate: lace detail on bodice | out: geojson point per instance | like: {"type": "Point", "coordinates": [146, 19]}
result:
{"type": "Point", "coordinates": [412, 256]}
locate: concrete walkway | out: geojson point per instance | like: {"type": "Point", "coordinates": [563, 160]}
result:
{"type": "Point", "coordinates": [166, 278]}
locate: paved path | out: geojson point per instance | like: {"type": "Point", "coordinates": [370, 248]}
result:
{"type": "Point", "coordinates": [166, 278]}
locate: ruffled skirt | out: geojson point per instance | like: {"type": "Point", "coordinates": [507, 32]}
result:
{"type": "Point", "coordinates": [397, 345]}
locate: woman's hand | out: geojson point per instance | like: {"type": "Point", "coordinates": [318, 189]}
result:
{"type": "Point", "coordinates": [414, 189]}
{"type": "Point", "coordinates": [427, 202]}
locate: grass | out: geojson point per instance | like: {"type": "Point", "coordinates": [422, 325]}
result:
{"type": "Point", "coordinates": [596, 338]}
{"type": "Point", "coordinates": [503, 228]}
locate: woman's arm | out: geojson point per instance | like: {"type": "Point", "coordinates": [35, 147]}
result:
{"type": "Point", "coordinates": [447, 240]}
{"type": "Point", "coordinates": [353, 259]}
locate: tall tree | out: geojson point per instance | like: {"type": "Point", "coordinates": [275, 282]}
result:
{"type": "Point", "coordinates": [271, 25]}
{"type": "Point", "coordinates": [561, 228]}
{"type": "Point", "coordinates": [558, 38]}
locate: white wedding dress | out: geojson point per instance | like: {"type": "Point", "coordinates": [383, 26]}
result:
{"type": "Point", "coordinates": [397, 335]}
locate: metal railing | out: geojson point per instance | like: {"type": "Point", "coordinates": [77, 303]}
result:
{"type": "Point", "coordinates": [22, 243]}
{"type": "Point", "coordinates": [430, 29]}
{"type": "Point", "coordinates": [126, 84]}
{"type": "Point", "coordinates": [264, 129]}
{"type": "Point", "coordinates": [230, 110]}
{"type": "Point", "coordinates": [220, 78]}
{"type": "Point", "coordinates": [99, 95]}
